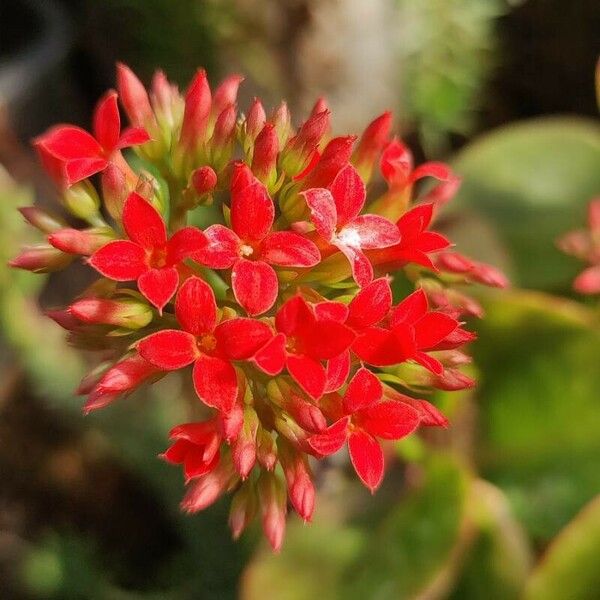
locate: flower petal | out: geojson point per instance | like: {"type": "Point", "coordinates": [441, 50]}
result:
{"type": "Point", "coordinates": [120, 260]}
{"type": "Point", "coordinates": [337, 370]}
{"type": "Point", "coordinates": [411, 309]}
{"type": "Point", "coordinates": [308, 373]}
{"type": "Point", "coordinates": [430, 363]}
{"type": "Point", "coordinates": [252, 211]}
{"type": "Point", "coordinates": [362, 270]}
{"type": "Point", "coordinates": [330, 310]}
{"type": "Point", "coordinates": [323, 213]}
{"type": "Point", "coordinates": [371, 232]}
{"type": "Point", "coordinates": [380, 347]}
{"type": "Point", "coordinates": [332, 439]}
{"type": "Point", "coordinates": [78, 169]}
{"type": "Point", "coordinates": [289, 249]}
{"type": "Point", "coordinates": [143, 223]}
{"type": "Point", "coordinates": [437, 170]}
{"type": "Point", "coordinates": [326, 339]}
{"type": "Point", "coordinates": [390, 420]}
{"type": "Point", "coordinates": [223, 247]}
{"type": "Point", "coordinates": [371, 304]}
{"type": "Point", "coordinates": [349, 193]}
{"type": "Point", "coordinates": [367, 458]}
{"type": "Point", "coordinates": [415, 220]}
{"type": "Point", "coordinates": [188, 242]}
{"type": "Point", "coordinates": [195, 307]}
{"type": "Point", "coordinates": [432, 328]}
{"type": "Point", "coordinates": [169, 349]}
{"type": "Point", "coordinates": [364, 390]}
{"type": "Point", "coordinates": [159, 285]}
{"type": "Point", "coordinates": [107, 123]}
{"type": "Point", "coordinates": [215, 381]}
{"type": "Point", "coordinates": [241, 338]}
{"type": "Point", "coordinates": [271, 357]}
{"type": "Point", "coordinates": [255, 285]}
{"type": "Point", "coordinates": [293, 314]}
{"type": "Point", "coordinates": [67, 142]}
{"type": "Point", "coordinates": [132, 136]}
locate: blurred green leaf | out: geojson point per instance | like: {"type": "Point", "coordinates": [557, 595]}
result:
{"type": "Point", "coordinates": [569, 569]}
{"type": "Point", "coordinates": [539, 419]}
{"type": "Point", "coordinates": [533, 181]}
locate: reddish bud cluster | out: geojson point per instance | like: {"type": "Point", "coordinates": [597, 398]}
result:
{"type": "Point", "coordinates": [284, 309]}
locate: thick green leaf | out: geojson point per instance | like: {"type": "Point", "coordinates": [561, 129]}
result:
{"type": "Point", "coordinates": [539, 418]}
{"type": "Point", "coordinates": [570, 567]}
{"type": "Point", "coordinates": [532, 180]}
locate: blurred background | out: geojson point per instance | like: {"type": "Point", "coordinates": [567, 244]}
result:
{"type": "Point", "coordinates": [504, 503]}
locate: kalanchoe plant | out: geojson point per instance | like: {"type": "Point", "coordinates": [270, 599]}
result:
{"type": "Point", "coordinates": [282, 309]}
{"type": "Point", "coordinates": [585, 245]}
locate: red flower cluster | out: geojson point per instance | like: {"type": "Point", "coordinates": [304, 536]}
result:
{"type": "Point", "coordinates": [286, 307]}
{"type": "Point", "coordinates": [585, 245]}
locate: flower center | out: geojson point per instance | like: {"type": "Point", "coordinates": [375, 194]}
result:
{"type": "Point", "coordinates": [158, 258]}
{"type": "Point", "coordinates": [349, 237]}
{"type": "Point", "coordinates": [207, 343]}
{"type": "Point", "coordinates": [246, 250]}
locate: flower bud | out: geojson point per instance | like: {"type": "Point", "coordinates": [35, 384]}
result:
{"type": "Point", "coordinates": [114, 190]}
{"type": "Point", "coordinates": [370, 145]}
{"type": "Point", "coordinates": [266, 449]}
{"type": "Point", "coordinates": [196, 112]}
{"type": "Point", "coordinates": [454, 262]}
{"type": "Point", "coordinates": [41, 220]}
{"type": "Point", "coordinates": [203, 180]}
{"type": "Point", "coordinates": [129, 312]}
{"type": "Point", "coordinates": [134, 98]}
{"type": "Point", "coordinates": [396, 165]}
{"type": "Point", "coordinates": [77, 241]}
{"type": "Point", "coordinates": [232, 422]}
{"type": "Point", "coordinates": [588, 282]}
{"type": "Point", "coordinates": [244, 506]}
{"type": "Point", "coordinates": [319, 106]}
{"type": "Point", "coordinates": [488, 275]}
{"type": "Point", "coordinates": [306, 414]}
{"type": "Point", "coordinates": [223, 137]}
{"type": "Point", "coordinates": [206, 490]}
{"type": "Point", "coordinates": [255, 120]}
{"type": "Point", "coordinates": [301, 489]}
{"type": "Point", "coordinates": [167, 103]}
{"type": "Point", "coordinates": [335, 156]}
{"type": "Point", "coordinates": [64, 318]}
{"type": "Point", "coordinates": [264, 158]}
{"type": "Point", "coordinates": [282, 121]}
{"type": "Point", "coordinates": [244, 449]}
{"type": "Point", "coordinates": [82, 201]}
{"type": "Point", "coordinates": [289, 429]}
{"type": "Point", "coordinates": [272, 497]}
{"type": "Point", "coordinates": [41, 259]}
{"type": "Point", "coordinates": [226, 94]}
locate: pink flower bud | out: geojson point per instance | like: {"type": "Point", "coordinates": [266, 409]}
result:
{"type": "Point", "coordinates": [306, 414]}
{"type": "Point", "coordinates": [255, 120]}
{"type": "Point", "coordinates": [204, 180]}
{"type": "Point", "coordinates": [41, 220]}
{"type": "Point", "coordinates": [335, 156]}
{"type": "Point", "coordinates": [282, 121]}
{"type": "Point", "coordinates": [272, 497]}
{"type": "Point", "coordinates": [134, 98]}
{"type": "Point", "coordinates": [264, 158]}
{"type": "Point", "coordinates": [588, 282]}
{"type": "Point", "coordinates": [319, 106]}
{"type": "Point", "coordinates": [226, 94]}
{"type": "Point", "coordinates": [299, 150]}
{"type": "Point", "coordinates": [232, 422]}
{"type": "Point", "coordinates": [371, 143]}
{"type": "Point", "coordinates": [129, 312]}
{"type": "Point", "coordinates": [301, 489]}
{"type": "Point", "coordinates": [266, 450]}
{"type": "Point", "coordinates": [114, 190]}
{"type": "Point", "coordinates": [196, 112]}
{"type": "Point", "coordinates": [64, 318]}
{"type": "Point", "coordinates": [77, 241]}
{"type": "Point", "coordinates": [166, 101]}
{"type": "Point", "coordinates": [244, 449]}
{"type": "Point", "coordinates": [206, 490]}
{"type": "Point", "coordinates": [244, 506]}
{"type": "Point", "coordinates": [41, 259]}
{"type": "Point", "coordinates": [488, 275]}
{"type": "Point", "coordinates": [452, 380]}
{"type": "Point", "coordinates": [224, 127]}
{"type": "Point", "coordinates": [454, 262]}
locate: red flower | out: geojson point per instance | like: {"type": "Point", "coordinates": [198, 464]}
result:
{"type": "Point", "coordinates": [211, 347]}
{"type": "Point", "coordinates": [71, 154]}
{"type": "Point", "coordinates": [412, 331]}
{"type": "Point", "coordinates": [366, 417]}
{"type": "Point", "coordinates": [335, 215]}
{"type": "Point", "coordinates": [306, 337]}
{"type": "Point", "coordinates": [148, 256]}
{"type": "Point", "coordinates": [415, 241]}
{"type": "Point", "coordinates": [196, 446]}
{"type": "Point", "coordinates": [250, 247]}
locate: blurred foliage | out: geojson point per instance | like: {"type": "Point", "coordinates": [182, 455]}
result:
{"type": "Point", "coordinates": [447, 53]}
{"type": "Point", "coordinates": [532, 181]}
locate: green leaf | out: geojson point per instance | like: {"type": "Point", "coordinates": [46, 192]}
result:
{"type": "Point", "coordinates": [539, 419]}
{"type": "Point", "coordinates": [533, 181]}
{"type": "Point", "coordinates": [569, 568]}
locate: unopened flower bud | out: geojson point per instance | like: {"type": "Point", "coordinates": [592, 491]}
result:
{"type": "Point", "coordinates": [84, 242]}
{"type": "Point", "coordinates": [319, 106]}
{"type": "Point", "coordinates": [255, 120]}
{"type": "Point", "coordinates": [223, 137]}
{"type": "Point", "coordinates": [307, 415]}
{"type": "Point", "coordinates": [301, 489]}
{"type": "Point", "coordinates": [282, 121]}
{"type": "Point", "coordinates": [41, 220]}
{"type": "Point", "coordinates": [41, 259]}
{"type": "Point", "coordinates": [226, 94]}
{"type": "Point", "coordinates": [244, 506]}
{"type": "Point", "coordinates": [82, 201]}
{"type": "Point", "coordinates": [128, 312]}
{"type": "Point", "coordinates": [134, 98]}
{"type": "Point", "coordinates": [264, 158]}
{"type": "Point", "coordinates": [203, 180]}
{"type": "Point", "coordinates": [244, 449]}
{"type": "Point", "coordinates": [196, 112]}
{"type": "Point", "coordinates": [588, 282]}
{"type": "Point", "coordinates": [206, 490]}
{"type": "Point", "coordinates": [266, 449]}
{"type": "Point", "coordinates": [64, 318]}
{"type": "Point", "coordinates": [272, 496]}
{"type": "Point", "coordinates": [335, 156]}
{"type": "Point", "coordinates": [370, 145]}
{"type": "Point", "coordinates": [114, 190]}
